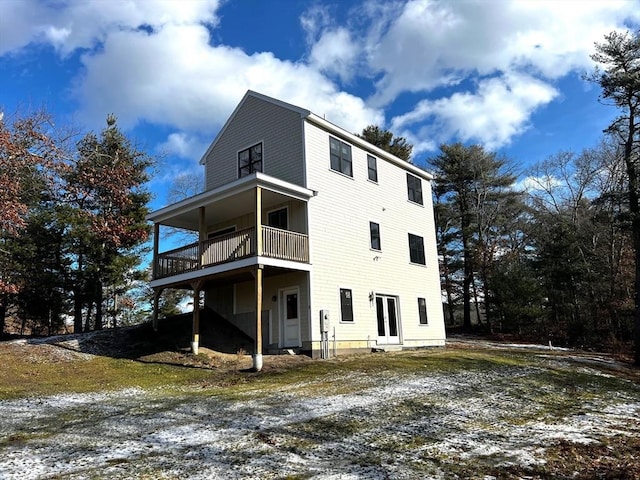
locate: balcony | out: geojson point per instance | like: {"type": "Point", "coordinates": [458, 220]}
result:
{"type": "Point", "coordinates": [276, 243]}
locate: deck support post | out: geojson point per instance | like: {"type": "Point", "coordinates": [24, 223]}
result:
{"type": "Point", "coordinates": [257, 357]}
{"type": "Point", "coordinates": [156, 300]}
{"type": "Point", "coordinates": [156, 247]}
{"type": "Point", "coordinates": [195, 337]}
{"type": "Point", "coordinates": [202, 234]}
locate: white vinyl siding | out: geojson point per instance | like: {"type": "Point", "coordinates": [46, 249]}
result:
{"type": "Point", "coordinates": [340, 246]}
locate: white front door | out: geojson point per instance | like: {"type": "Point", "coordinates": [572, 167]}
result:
{"type": "Point", "coordinates": [290, 315]}
{"type": "Point", "coordinates": [387, 315]}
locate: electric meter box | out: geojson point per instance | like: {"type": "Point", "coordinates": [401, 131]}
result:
{"type": "Point", "coordinates": [324, 320]}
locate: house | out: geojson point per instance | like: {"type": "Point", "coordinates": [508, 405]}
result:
{"type": "Point", "coordinates": [329, 238]}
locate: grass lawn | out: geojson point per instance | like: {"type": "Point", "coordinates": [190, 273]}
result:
{"type": "Point", "coordinates": [459, 412]}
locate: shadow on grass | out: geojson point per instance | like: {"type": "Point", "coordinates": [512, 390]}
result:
{"type": "Point", "coordinates": [168, 345]}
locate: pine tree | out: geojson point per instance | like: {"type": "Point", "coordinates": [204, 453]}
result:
{"type": "Point", "coordinates": [106, 188]}
{"type": "Point", "coordinates": [618, 75]}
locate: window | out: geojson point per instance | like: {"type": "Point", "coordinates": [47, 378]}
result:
{"type": "Point", "coordinates": [414, 188]}
{"type": "Point", "coordinates": [340, 156]}
{"type": "Point", "coordinates": [346, 305]}
{"type": "Point", "coordinates": [250, 160]}
{"type": "Point", "coordinates": [372, 167]}
{"type": "Point", "coordinates": [278, 219]}
{"type": "Point", "coordinates": [374, 229]}
{"type": "Point", "coordinates": [422, 311]}
{"type": "Point", "coordinates": [416, 249]}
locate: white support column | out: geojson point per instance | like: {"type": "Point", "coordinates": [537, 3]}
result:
{"type": "Point", "coordinates": [195, 339]}
{"type": "Point", "coordinates": [156, 246]}
{"type": "Point", "coordinates": [257, 357]}
{"type": "Point", "coordinates": [202, 234]}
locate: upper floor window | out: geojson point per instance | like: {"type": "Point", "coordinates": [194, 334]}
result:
{"type": "Point", "coordinates": [278, 219]}
{"type": "Point", "coordinates": [372, 167]}
{"type": "Point", "coordinates": [250, 160]}
{"type": "Point", "coordinates": [416, 249]}
{"type": "Point", "coordinates": [374, 229]}
{"type": "Point", "coordinates": [340, 156]}
{"type": "Point", "coordinates": [422, 311]}
{"type": "Point", "coordinates": [414, 188]}
{"type": "Point", "coordinates": [346, 305]}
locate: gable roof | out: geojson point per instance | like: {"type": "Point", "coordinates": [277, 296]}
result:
{"type": "Point", "coordinates": [250, 93]}
{"type": "Point", "coordinates": [326, 125]}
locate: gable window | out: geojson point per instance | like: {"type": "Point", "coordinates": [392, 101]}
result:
{"type": "Point", "coordinates": [422, 311]}
{"type": "Point", "coordinates": [346, 305]}
{"type": "Point", "coordinates": [416, 249]}
{"type": "Point", "coordinates": [278, 219]}
{"type": "Point", "coordinates": [374, 230]}
{"type": "Point", "coordinates": [340, 153]}
{"type": "Point", "coordinates": [414, 188]}
{"type": "Point", "coordinates": [250, 160]}
{"type": "Point", "coordinates": [372, 167]}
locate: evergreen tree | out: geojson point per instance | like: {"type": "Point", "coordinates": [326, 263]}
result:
{"type": "Point", "coordinates": [106, 188]}
{"type": "Point", "coordinates": [475, 188]}
{"type": "Point", "coordinates": [385, 140]}
{"type": "Point", "coordinates": [619, 77]}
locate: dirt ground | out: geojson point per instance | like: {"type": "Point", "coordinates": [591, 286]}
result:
{"type": "Point", "coordinates": [476, 409]}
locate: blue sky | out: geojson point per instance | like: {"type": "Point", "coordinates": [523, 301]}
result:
{"type": "Point", "coordinates": [504, 74]}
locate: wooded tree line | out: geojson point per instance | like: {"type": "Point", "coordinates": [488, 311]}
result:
{"type": "Point", "coordinates": [556, 257]}
{"type": "Point", "coordinates": [551, 259]}
{"type": "Point", "coordinates": [72, 224]}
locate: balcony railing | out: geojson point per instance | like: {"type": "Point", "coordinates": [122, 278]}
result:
{"type": "Point", "coordinates": [276, 243]}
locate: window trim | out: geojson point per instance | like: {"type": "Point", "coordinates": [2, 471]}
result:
{"type": "Point", "coordinates": [412, 191]}
{"type": "Point", "coordinates": [371, 237]}
{"type": "Point", "coordinates": [422, 312]}
{"type": "Point", "coordinates": [261, 143]}
{"type": "Point", "coordinates": [423, 256]}
{"type": "Point", "coordinates": [286, 209]}
{"type": "Point", "coordinates": [374, 169]}
{"type": "Point", "coordinates": [341, 160]}
{"type": "Point", "coordinates": [350, 306]}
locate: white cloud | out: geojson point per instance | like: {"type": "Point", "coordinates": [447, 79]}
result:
{"type": "Point", "coordinates": [335, 53]}
{"type": "Point", "coordinates": [175, 77]}
{"type": "Point", "coordinates": [154, 61]}
{"type": "Point", "coordinates": [72, 24]}
{"type": "Point", "coordinates": [430, 44]}
{"type": "Point", "coordinates": [498, 110]}
{"type": "Point", "coordinates": [184, 145]}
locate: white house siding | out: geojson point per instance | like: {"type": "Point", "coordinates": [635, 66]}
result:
{"type": "Point", "coordinates": [339, 219]}
{"type": "Point", "coordinates": [255, 121]}
{"type": "Point", "coordinates": [244, 303]}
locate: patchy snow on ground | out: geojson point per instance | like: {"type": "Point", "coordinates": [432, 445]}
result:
{"type": "Point", "coordinates": [392, 426]}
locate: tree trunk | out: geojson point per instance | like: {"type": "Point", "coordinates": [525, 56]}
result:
{"type": "Point", "coordinates": [468, 269]}
{"type": "Point", "coordinates": [99, 299]}
{"type": "Point", "coordinates": [634, 208]}
{"type": "Point", "coordinates": [466, 289]}
{"type": "Point", "coordinates": [77, 310]}
{"type": "Point", "coordinates": [87, 321]}
{"type": "Point", "coordinates": [3, 314]}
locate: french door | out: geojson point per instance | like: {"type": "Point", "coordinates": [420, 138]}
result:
{"type": "Point", "coordinates": [387, 315]}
